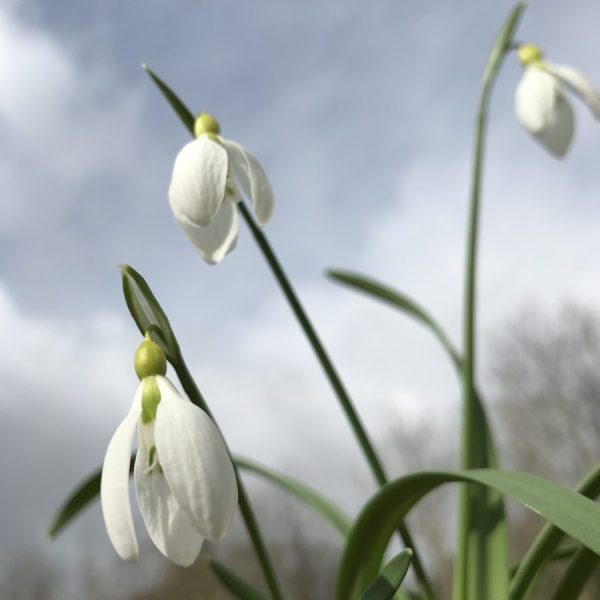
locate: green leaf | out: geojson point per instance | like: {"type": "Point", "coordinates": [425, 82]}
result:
{"type": "Point", "coordinates": [488, 516]}
{"type": "Point", "coordinates": [179, 107]}
{"type": "Point", "coordinates": [576, 515]}
{"type": "Point", "coordinates": [547, 541]}
{"type": "Point", "coordinates": [580, 569]}
{"type": "Point", "coordinates": [80, 498]}
{"type": "Point", "coordinates": [398, 300]}
{"type": "Point", "coordinates": [147, 312]}
{"type": "Point", "coordinates": [386, 584]}
{"type": "Point", "coordinates": [323, 507]}
{"type": "Point", "coordinates": [234, 584]}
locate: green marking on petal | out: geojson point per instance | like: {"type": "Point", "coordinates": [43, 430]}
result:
{"type": "Point", "coordinates": [150, 400]}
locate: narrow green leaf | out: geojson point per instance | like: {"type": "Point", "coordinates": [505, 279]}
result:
{"type": "Point", "coordinates": [399, 300]}
{"type": "Point", "coordinates": [386, 584]}
{"type": "Point", "coordinates": [147, 312]}
{"type": "Point", "coordinates": [235, 584]}
{"type": "Point", "coordinates": [323, 507]}
{"type": "Point", "coordinates": [488, 518]}
{"type": "Point", "coordinates": [178, 106]}
{"type": "Point", "coordinates": [576, 515]}
{"type": "Point", "coordinates": [80, 498]}
{"type": "Point", "coordinates": [560, 554]}
{"type": "Point", "coordinates": [546, 543]}
{"type": "Point", "coordinates": [580, 569]}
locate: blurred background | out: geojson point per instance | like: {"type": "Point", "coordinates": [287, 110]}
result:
{"type": "Point", "coordinates": [362, 116]}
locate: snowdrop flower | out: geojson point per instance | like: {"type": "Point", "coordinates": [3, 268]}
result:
{"type": "Point", "coordinates": [185, 482]}
{"type": "Point", "coordinates": [204, 190]}
{"type": "Point", "coordinates": [541, 106]}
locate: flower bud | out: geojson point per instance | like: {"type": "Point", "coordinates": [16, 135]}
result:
{"type": "Point", "coordinates": [205, 124]}
{"type": "Point", "coordinates": [529, 55]}
{"type": "Point", "coordinates": [149, 359]}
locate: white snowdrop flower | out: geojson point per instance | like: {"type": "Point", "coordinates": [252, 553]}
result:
{"type": "Point", "coordinates": [540, 103]}
{"type": "Point", "coordinates": [204, 190]}
{"type": "Point", "coordinates": [184, 479]}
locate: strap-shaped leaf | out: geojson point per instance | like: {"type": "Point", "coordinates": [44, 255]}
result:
{"type": "Point", "coordinates": [580, 569]}
{"type": "Point", "coordinates": [235, 584]}
{"type": "Point", "coordinates": [546, 543]}
{"type": "Point", "coordinates": [89, 489]}
{"type": "Point", "coordinates": [84, 494]}
{"type": "Point", "coordinates": [319, 504]}
{"type": "Point", "coordinates": [386, 584]}
{"type": "Point", "coordinates": [398, 300]}
{"type": "Point", "coordinates": [178, 106]}
{"type": "Point", "coordinates": [488, 518]}
{"type": "Point", "coordinates": [575, 514]}
{"type": "Point", "coordinates": [147, 312]}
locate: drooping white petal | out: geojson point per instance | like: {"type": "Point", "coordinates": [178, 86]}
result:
{"type": "Point", "coordinates": [579, 84]}
{"type": "Point", "coordinates": [535, 99]}
{"type": "Point", "coordinates": [558, 133]}
{"type": "Point", "coordinates": [198, 182]}
{"type": "Point", "coordinates": [114, 485]}
{"type": "Point", "coordinates": [195, 463]}
{"type": "Point", "coordinates": [253, 180]}
{"type": "Point", "coordinates": [216, 240]}
{"type": "Point", "coordinates": [169, 528]}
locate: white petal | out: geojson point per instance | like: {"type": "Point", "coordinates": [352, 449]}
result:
{"type": "Point", "coordinates": [168, 527]}
{"type": "Point", "coordinates": [535, 99]}
{"type": "Point", "coordinates": [580, 85]}
{"type": "Point", "coordinates": [216, 240]}
{"type": "Point", "coordinates": [196, 463]}
{"type": "Point", "coordinates": [198, 183]}
{"type": "Point", "coordinates": [114, 486]}
{"type": "Point", "coordinates": [558, 133]}
{"type": "Point", "coordinates": [253, 180]}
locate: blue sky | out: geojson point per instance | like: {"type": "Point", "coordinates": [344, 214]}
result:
{"type": "Point", "coordinates": [361, 114]}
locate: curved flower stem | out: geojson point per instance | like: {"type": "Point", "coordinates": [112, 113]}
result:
{"type": "Point", "coordinates": [194, 394]}
{"type": "Point", "coordinates": [466, 583]}
{"type": "Point", "coordinates": [336, 384]}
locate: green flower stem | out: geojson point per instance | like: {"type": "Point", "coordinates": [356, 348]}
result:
{"type": "Point", "coordinates": [336, 384]}
{"type": "Point", "coordinates": [194, 394]}
{"type": "Point", "coordinates": [466, 584]}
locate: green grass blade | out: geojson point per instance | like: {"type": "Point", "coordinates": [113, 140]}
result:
{"type": "Point", "coordinates": [580, 569]}
{"type": "Point", "coordinates": [85, 493]}
{"type": "Point", "coordinates": [398, 300]}
{"type": "Point", "coordinates": [546, 543]}
{"type": "Point", "coordinates": [386, 584]}
{"type": "Point", "coordinates": [178, 106]}
{"type": "Point", "coordinates": [575, 514]}
{"type": "Point", "coordinates": [239, 588]}
{"type": "Point", "coordinates": [322, 506]}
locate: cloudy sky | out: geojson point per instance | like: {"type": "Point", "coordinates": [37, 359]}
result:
{"type": "Point", "coordinates": [361, 114]}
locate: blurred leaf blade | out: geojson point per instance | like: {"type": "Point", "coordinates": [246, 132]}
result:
{"type": "Point", "coordinates": [386, 584]}
{"type": "Point", "coordinates": [318, 503]}
{"type": "Point", "coordinates": [81, 497]}
{"type": "Point", "coordinates": [239, 588]}
{"type": "Point", "coordinates": [177, 105]}
{"type": "Point", "coordinates": [576, 515]}
{"type": "Point", "coordinates": [398, 300]}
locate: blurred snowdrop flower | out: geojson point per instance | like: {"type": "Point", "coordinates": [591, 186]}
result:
{"type": "Point", "coordinates": [204, 190]}
{"type": "Point", "coordinates": [540, 103]}
{"type": "Point", "coordinates": [184, 479]}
